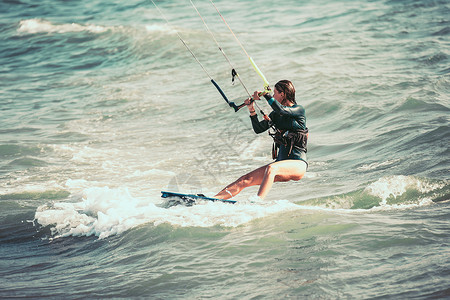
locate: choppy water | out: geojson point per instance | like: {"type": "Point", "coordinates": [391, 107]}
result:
{"type": "Point", "coordinates": [102, 107]}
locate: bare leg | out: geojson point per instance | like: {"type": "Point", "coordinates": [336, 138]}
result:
{"type": "Point", "coordinates": [255, 177]}
{"type": "Point", "coordinates": [264, 176]}
{"type": "Point", "coordinates": [281, 171]}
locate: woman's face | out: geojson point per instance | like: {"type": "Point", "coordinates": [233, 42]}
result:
{"type": "Point", "coordinates": [278, 96]}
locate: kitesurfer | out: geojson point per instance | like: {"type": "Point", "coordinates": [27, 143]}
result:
{"type": "Point", "coordinates": [290, 141]}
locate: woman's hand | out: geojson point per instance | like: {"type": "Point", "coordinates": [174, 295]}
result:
{"type": "Point", "coordinates": [250, 105]}
{"type": "Point", "coordinates": [256, 95]}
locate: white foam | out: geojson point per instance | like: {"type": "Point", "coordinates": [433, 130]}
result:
{"type": "Point", "coordinates": [412, 192]}
{"type": "Point", "coordinates": [394, 186]}
{"type": "Point", "coordinates": [376, 165]}
{"type": "Point", "coordinates": [104, 212]}
{"type": "Point", "coordinates": [158, 28]}
{"type": "Point", "coordinates": [403, 206]}
{"type": "Point", "coordinates": [43, 26]}
{"type": "Point", "coordinates": [76, 184]}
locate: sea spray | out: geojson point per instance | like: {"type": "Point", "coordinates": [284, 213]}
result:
{"type": "Point", "coordinates": [104, 211]}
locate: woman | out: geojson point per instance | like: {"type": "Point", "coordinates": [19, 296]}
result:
{"type": "Point", "coordinates": [290, 139]}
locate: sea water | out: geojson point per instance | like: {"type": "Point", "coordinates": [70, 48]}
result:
{"type": "Point", "coordinates": [102, 107]}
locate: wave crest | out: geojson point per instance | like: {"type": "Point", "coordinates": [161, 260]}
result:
{"type": "Point", "coordinates": [391, 192]}
{"type": "Point", "coordinates": [43, 26]}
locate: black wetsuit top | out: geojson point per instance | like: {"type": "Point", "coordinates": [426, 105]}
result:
{"type": "Point", "coordinates": [285, 118]}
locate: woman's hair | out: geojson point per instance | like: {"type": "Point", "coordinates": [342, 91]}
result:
{"type": "Point", "coordinates": [287, 88]}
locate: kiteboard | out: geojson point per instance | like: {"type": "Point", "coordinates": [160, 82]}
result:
{"type": "Point", "coordinates": [189, 199]}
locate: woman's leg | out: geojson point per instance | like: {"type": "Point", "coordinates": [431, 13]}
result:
{"type": "Point", "coordinates": [255, 177]}
{"type": "Point", "coordinates": [281, 171]}
{"type": "Point", "coordinates": [264, 176]}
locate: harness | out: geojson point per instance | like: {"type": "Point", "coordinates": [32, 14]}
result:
{"type": "Point", "coordinates": [290, 139]}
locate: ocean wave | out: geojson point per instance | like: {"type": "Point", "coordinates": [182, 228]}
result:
{"type": "Point", "coordinates": [27, 162]}
{"type": "Point", "coordinates": [378, 165]}
{"type": "Point", "coordinates": [104, 212]}
{"type": "Point", "coordinates": [414, 104]}
{"type": "Point", "coordinates": [35, 195]}
{"type": "Point", "coordinates": [14, 150]}
{"type": "Point", "coordinates": [391, 192]}
{"type": "Point", "coordinates": [159, 28]}
{"type": "Point", "coordinates": [33, 26]}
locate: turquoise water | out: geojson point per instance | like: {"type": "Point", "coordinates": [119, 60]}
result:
{"type": "Point", "coordinates": [102, 107]}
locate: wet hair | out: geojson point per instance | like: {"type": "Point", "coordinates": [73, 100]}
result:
{"type": "Point", "coordinates": [287, 88]}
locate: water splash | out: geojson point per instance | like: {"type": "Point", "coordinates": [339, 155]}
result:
{"type": "Point", "coordinates": [104, 212]}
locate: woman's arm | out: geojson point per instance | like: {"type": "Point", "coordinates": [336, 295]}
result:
{"type": "Point", "coordinates": [296, 111]}
{"type": "Point", "coordinates": [258, 126]}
